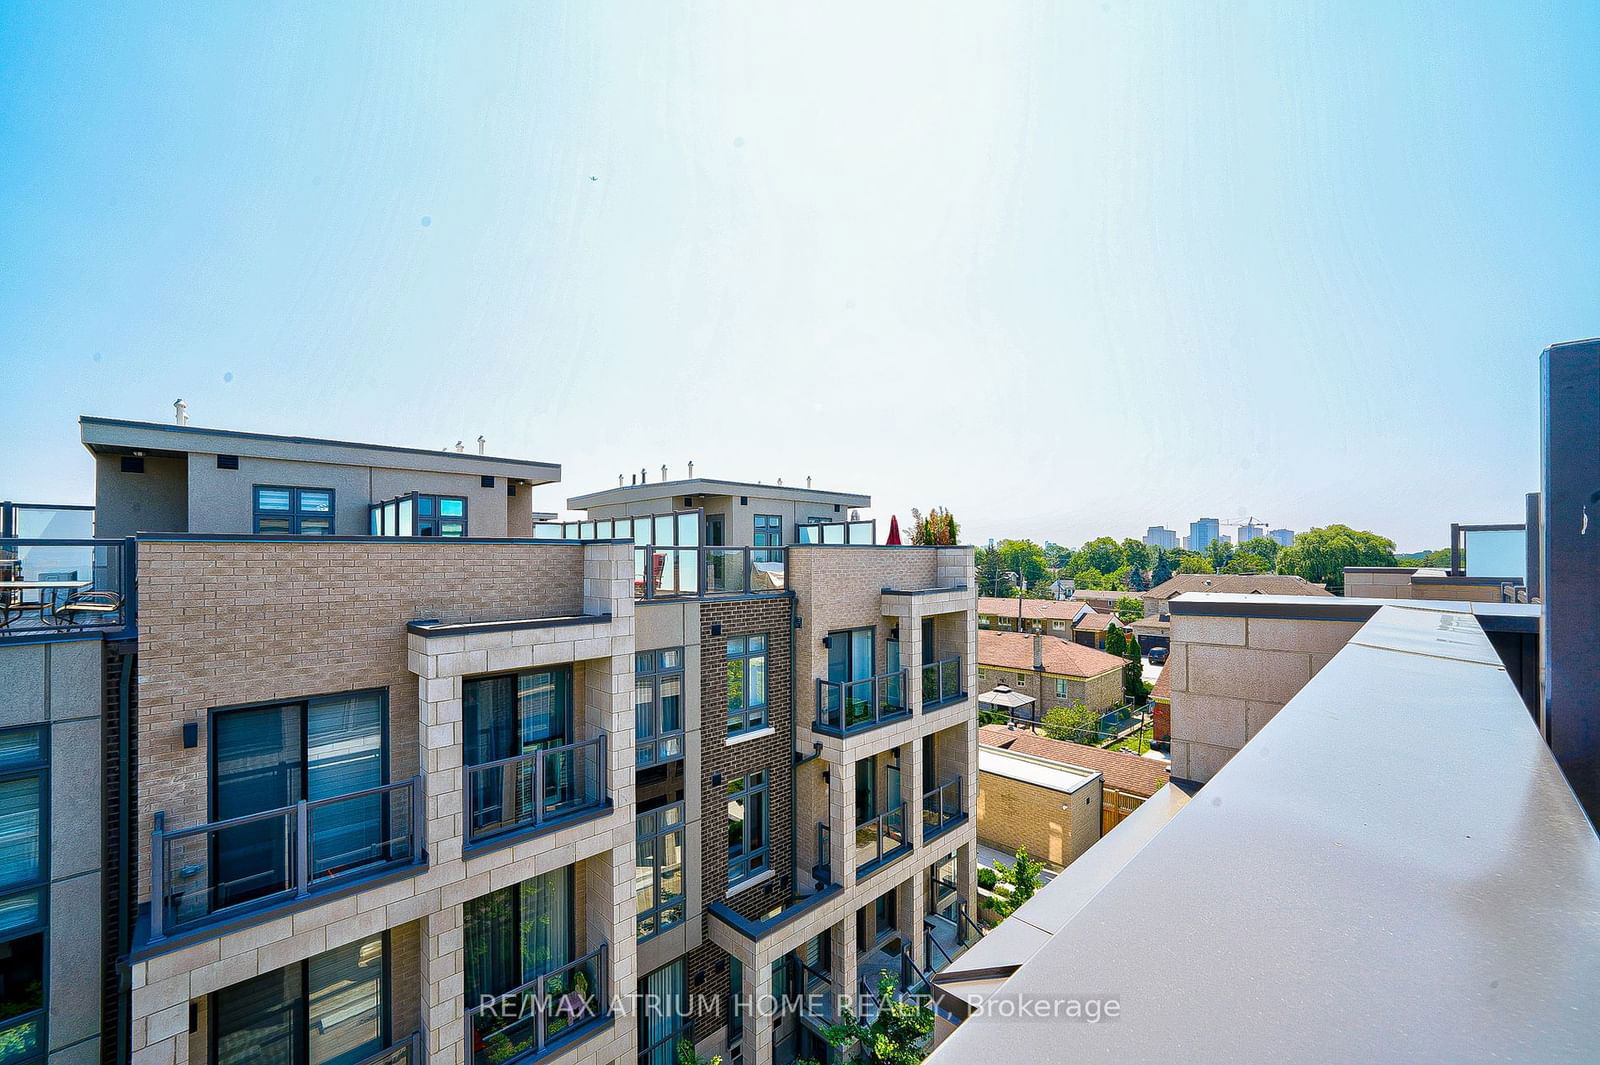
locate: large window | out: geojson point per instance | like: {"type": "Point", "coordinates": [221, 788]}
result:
{"type": "Point", "coordinates": [1061, 687]}
{"type": "Point", "coordinates": [518, 934]}
{"type": "Point", "coordinates": [332, 1009]}
{"type": "Point", "coordinates": [512, 716]}
{"type": "Point", "coordinates": [275, 755]}
{"type": "Point", "coordinates": [658, 706]}
{"type": "Point", "coordinates": [441, 516]}
{"type": "Point", "coordinates": [296, 511]}
{"type": "Point", "coordinates": [658, 869]}
{"type": "Point", "coordinates": [747, 826]}
{"type": "Point", "coordinates": [662, 1017]}
{"type": "Point", "coordinates": [768, 533]}
{"type": "Point", "coordinates": [747, 683]}
{"type": "Point", "coordinates": [23, 873]}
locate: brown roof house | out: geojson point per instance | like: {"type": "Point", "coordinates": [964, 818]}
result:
{"type": "Point", "coordinates": [1155, 600]}
{"type": "Point", "coordinates": [1070, 619]}
{"type": "Point", "coordinates": [1049, 825]}
{"type": "Point", "coordinates": [1054, 671]}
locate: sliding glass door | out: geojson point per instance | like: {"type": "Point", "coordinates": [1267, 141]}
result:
{"type": "Point", "coordinates": [270, 757]}
{"type": "Point", "coordinates": [513, 715]}
{"type": "Point", "coordinates": [329, 1010]}
{"type": "Point", "coordinates": [518, 934]}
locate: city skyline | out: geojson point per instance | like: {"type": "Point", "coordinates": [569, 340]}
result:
{"type": "Point", "coordinates": [1170, 228]}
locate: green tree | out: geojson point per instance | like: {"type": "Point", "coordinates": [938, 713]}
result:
{"type": "Point", "coordinates": [991, 574]}
{"type": "Point", "coordinates": [1136, 553]}
{"type": "Point", "coordinates": [1027, 559]}
{"type": "Point", "coordinates": [1130, 608]}
{"type": "Point", "coordinates": [1321, 555]}
{"type": "Point", "coordinates": [1162, 568]}
{"type": "Point", "coordinates": [898, 1035]}
{"type": "Point", "coordinates": [1092, 579]}
{"type": "Point", "coordinates": [1102, 553]}
{"type": "Point", "coordinates": [687, 1055]}
{"type": "Point", "coordinates": [1125, 645]}
{"type": "Point", "coordinates": [1075, 723]}
{"type": "Point", "coordinates": [938, 529]}
{"type": "Point", "coordinates": [1246, 563]}
{"type": "Point", "coordinates": [1220, 553]}
{"type": "Point", "coordinates": [1193, 563]}
{"type": "Point", "coordinates": [1023, 876]}
{"type": "Point", "coordinates": [1264, 549]}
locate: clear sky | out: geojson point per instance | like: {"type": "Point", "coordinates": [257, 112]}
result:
{"type": "Point", "coordinates": [1068, 269]}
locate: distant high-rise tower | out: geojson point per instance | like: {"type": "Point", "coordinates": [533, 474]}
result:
{"type": "Point", "coordinates": [1160, 536]}
{"type": "Point", "coordinates": [1202, 532]}
{"type": "Point", "coordinates": [1249, 531]}
{"type": "Point", "coordinates": [1283, 537]}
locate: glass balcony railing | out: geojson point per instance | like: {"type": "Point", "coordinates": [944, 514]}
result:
{"type": "Point", "coordinates": [941, 808]}
{"type": "Point", "coordinates": [836, 532]}
{"type": "Point", "coordinates": [942, 683]}
{"type": "Point", "coordinates": [690, 572]}
{"type": "Point", "coordinates": [881, 840]}
{"type": "Point", "coordinates": [528, 791]}
{"type": "Point", "coordinates": [64, 585]}
{"type": "Point", "coordinates": [849, 706]}
{"type": "Point", "coordinates": [210, 872]}
{"type": "Point", "coordinates": [547, 1012]}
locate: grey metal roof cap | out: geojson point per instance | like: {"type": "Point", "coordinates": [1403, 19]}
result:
{"type": "Point", "coordinates": [714, 487]}
{"type": "Point", "coordinates": [116, 435]}
{"type": "Point", "coordinates": [1393, 869]}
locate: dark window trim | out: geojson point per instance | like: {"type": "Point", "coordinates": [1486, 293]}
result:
{"type": "Point", "coordinates": [39, 886]}
{"type": "Point", "coordinates": [764, 852]}
{"type": "Point", "coordinates": [302, 1025]}
{"type": "Point", "coordinates": [294, 515]}
{"type": "Point", "coordinates": [653, 676]}
{"type": "Point", "coordinates": [655, 838]}
{"type": "Point", "coordinates": [304, 702]}
{"type": "Point", "coordinates": [570, 701]}
{"type": "Point", "coordinates": [750, 718]}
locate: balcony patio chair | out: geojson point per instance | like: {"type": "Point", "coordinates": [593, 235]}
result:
{"type": "Point", "coordinates": [81, 607]}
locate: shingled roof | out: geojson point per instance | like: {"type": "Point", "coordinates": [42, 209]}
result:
{"type": "Point", "coordinates": [1236, 584]}
{"type": "Point", "coordinates": [1063, 658]}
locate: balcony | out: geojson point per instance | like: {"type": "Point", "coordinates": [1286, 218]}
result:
{"type": "Point", "coordinates": [55, 588]}
{"type": "Point", "coordinates": [231, 869]}
{"type": "Point", "coordinates": [696, 572]}
{"type": "Point", "coordinates": [847, 707]}
{"type": "Point", "coordinates": [544, 1015]}
{"type": "Point", "coordinates": [941, 808]}
{"type": "Point", "coordinates": [942, 683]}
{"type": "Point", "coordinates": [406, 1052]}
{"type": "Point", "coordinates": [535, 792]}
{"type": "Point", "coordinates": [881, 840]}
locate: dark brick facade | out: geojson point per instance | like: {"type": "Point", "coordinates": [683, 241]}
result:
{"type": "Point", "coordinates": [119, 664]}
{"type": "Point", "coordinates": [708, 965]}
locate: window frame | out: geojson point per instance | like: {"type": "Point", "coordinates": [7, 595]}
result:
{"type": "Point", "coordinates": [747, 717]}
{"type": "Point", "coordinates": [1063, 688]}
{"type": "Point", "coordinates": [437, 517]}
{"type": "Point", "coordinates": [657, 838]}
{"type": "Point", "coordinates": [302, 1009]}
{"type": "Point", "coordinates": [651, 676]}
{"type": "Point", "coordinates": [766, 534]}
{"type": "Point", "coordinates": [751, 862]}
{"type": "Point", "coordinates": [295, 515]}
{"type": "Point", "coordinates": [37, 886]}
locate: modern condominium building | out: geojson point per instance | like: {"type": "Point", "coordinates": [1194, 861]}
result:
{"type": "Point", "coordinates": [1202, 533]}
{"type": "Point", "coordinates": [1161, 536]}
{"type": "Point", "coordinates": [321, 751]}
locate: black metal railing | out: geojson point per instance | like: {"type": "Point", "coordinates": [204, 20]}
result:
{"type": "Point", "coordinates": [524, 1022]}
{"type": "Point", "coordinates": [526, 791]}
{"type": "Point", "coordinates": [942, 682]}
{"type": "Point", "coordinates": [941, 808]}
{"type": "Point", "coordinates": [206, 872]}
{"type": "Point", "coordinates": [406, 1052]}
{"type": "Point", "coordinates": [880, 839]}
{"type": "Point", "coordinates": [849, 706]}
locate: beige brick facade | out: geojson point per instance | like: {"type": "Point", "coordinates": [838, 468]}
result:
{"type": "Point", "coordinates": [1053, 826]}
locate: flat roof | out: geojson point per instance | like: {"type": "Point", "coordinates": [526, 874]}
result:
{"type": "Point", "coordinates": [1053, 775]}
{"type": "Point", "coordinates": [1392, 869]}
{"type": "Point", "coordinates": [119, 436]}
{"type": "Point", "coordinates": [709, 486]}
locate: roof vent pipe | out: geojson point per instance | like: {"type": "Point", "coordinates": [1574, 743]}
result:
{"type": "Point", "coordinates": [663, 472]}
{"type": "Point", "coordinates": [481, 442]}
{"type": "Point", "coordinates": [634, 480]}
{"type": "Point", "coordinates": [643, 475]}
{"type": "Point", "coordinates": [460, 447]}
{"type": "Point", "coordinates": [1038, 652]}
{"type": "Point", "coordinates": [619, 480]}
{"type": "Point", "coordinates": [691, 469]}
{"type": "Point", "coordinates": [180, 412]}
{"type": "Point", "coordinates": [780, 482]}
{"type": "Point", "coordinates": [808, 480]}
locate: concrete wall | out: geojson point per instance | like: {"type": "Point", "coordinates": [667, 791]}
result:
{"type": "Point", "coordinates": [59, 685]}
{"type": "Point", "coordinates": [1054, 827]}
{"type": "Point", "coordinates": [156, 500]}
{"type": "Point", "coordinates": [1230, 675]}
{"type": "Point", "coordinates": [1403, 583]}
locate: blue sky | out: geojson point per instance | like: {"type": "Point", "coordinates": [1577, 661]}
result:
{"type": "Point", "coordinates": [1066, 268]}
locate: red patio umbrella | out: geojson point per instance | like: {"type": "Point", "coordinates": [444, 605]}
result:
{"type": "Point", "coordinates": [894, 531]}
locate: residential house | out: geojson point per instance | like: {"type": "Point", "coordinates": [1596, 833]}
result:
{"type": "Point", "coordinates": [1127, 780]}
{"type": "Point", "coordinates": [1069, 619]}
{"type": "Point", "coordinates": [1054, 671]}
{"type": "Point", "coordinates": [1157, 598]}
